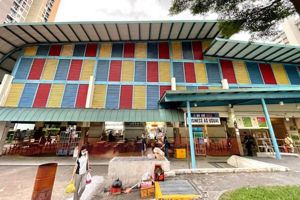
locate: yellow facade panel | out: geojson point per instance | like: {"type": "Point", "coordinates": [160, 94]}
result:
{"type": "Point", "coordinates": [105, 50]}
{"type": "Point", "coordinates": [214, 88]}
{"type": "Point", "coordinates": [30, 51]}
{"type": "Point", "coordinates": [139, 97]}
{"type": "Point", "coordinates": [241, 73]}
{"type": "Point", "coordinates": [56, 95]}
{"type": "Point", "coordinates": [87, 70]}
{"type": "Point", "coordinates": [164, 72]}
{"type": "Point", "coordinates": [141, 50]}
{"type": "Point", "coordinates": [99, 96]}
{"type": "Point", "coordinates": [127, 71]}
{"type": "Point", "coordinates": [67, 50]}
{"type": "Point", "coordinates": [14, 95]}
{"type": "Point", "coordinates": [180, 88]}
{"type": "Point", "coordinates": [176, 50]}
{"type": "Point", "coordinates": [49, 69]}
{"type": "Point", "coordinates": [205, 44]}
{"type": "Point", "coordinates": [280, 74]}
{"type": "Point", "coordinates": [200, 71]}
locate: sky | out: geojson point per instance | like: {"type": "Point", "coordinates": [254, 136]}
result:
{"type": "Point", "coordinates": [125, 10]}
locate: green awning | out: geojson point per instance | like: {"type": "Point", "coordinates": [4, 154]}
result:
{"type": "Point", "coordinates": [88, 115]}
{"type": "Point", "coordinates": [233, 49]}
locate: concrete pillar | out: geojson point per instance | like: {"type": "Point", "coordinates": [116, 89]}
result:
{"type": "Point", "coordinates": [225, 84]}
{"type": "Point", "coordinates": [173, 83]}
{"type": "Point", "coordinates": [272, 134]}
{"type": "Point", "coordinates": [4, 88]}
{"type": "Point", "coordinates": [232, 123]}
{"type": "Point", "coordinates": [3, 134]}
{"type": "Point", "coordinates": [192, 148]}
{"type": "Point", "coordinates": [89, 98]}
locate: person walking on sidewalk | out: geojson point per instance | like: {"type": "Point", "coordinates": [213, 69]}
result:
{"type": "Point", "coordinates": [80, 172]}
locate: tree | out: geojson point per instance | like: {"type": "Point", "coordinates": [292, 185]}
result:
{"type": "Point", "coordinates": [259, 17]}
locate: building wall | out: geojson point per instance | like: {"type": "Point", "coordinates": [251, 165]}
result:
{"type": "Point", "coordinates": [54, 11]}
{"type": "Point", "coordinates": [5, 6]}
{"type": "Point", "coordinates": [131, 75]}
{"type": "Point", "coordinates": [36, 11]}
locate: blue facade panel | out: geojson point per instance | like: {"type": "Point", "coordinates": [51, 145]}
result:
{"type": "Point", "coordinates": [28, 95]}
{"type": "Point", "coordinates": [43, 50]}
{"type": "Point", "coordinates": [152, 96]}
{"type": "Point", "coordinates": [293, 74]}
{"type": "Point", "coordinates": [117, 50]}
{"type": "Point", "coordinates": [187, 50]}
{"type": "Point", "coordinates": [213, 73]}
{"type": "Point", "coordinates": [79, 50]}
{"type": "Point", "coordinates": [152, 50]}
{"type": "Point", "coordinates": [69, 97]}
{"type": "Point", "coordinates": [62, 69]}
{"type": "Point", "coordinates": [254, 73]}
{"type": "Point", "coordinates": [102, 70]}
{"type": "Point", "coordinates": [192, 88]}
{"type": "Point", "coordinates": [178, 71]}
{"type": "Point", "coordinates": [24, 68]}
{"type": "Point", "coordinates": [112, 97]}
{"type": "Point", "coordinates": [140, 71]}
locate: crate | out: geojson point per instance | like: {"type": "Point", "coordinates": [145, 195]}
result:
{"type": "Point", "coordinates": [148, 192]}
{"type": "Point", "coordinates": [180, 153]}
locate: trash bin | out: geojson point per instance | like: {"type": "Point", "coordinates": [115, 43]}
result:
{"type": "Point", "coordinates": [44, 181]}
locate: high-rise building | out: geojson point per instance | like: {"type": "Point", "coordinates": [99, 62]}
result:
{"type": "Point", "coordinates": [12, 11]}
{"type": "Point", "coordinates": [290, 33]}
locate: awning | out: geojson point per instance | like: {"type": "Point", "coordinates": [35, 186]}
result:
{"type": "Point", "coordinates": [88, 115]}
{"type": "Point", "coordinates": [15, 36]}
{"type": "Point", "coordinates": [244, 96]}
{"type": "Point", "coordinates": [254, 51]}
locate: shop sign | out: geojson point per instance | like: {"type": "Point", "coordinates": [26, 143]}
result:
{"type": "Point", "coordinates": [205, 118]}
{"type": "Point", "coordinates": [251, 123]}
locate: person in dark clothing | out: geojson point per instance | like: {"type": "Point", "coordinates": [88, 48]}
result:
{"type": "Point", "coordinates": [111, 138]}
{"type": "Point", "coordinates": [166, 146]}
{"type": "Point", "coordinates": [248, 144]}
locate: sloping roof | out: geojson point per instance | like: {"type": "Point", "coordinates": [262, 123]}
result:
{"type": "Point", "coordinates": [14, 36]}
{"type": "Point", "coordinates": [88, 115]}
{"type": "Point", "coordinates": [242, 96]}
{"type": "Point", "coordinates": [254, 51]}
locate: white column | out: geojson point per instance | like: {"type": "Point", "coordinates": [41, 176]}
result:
{"type": "Point", "coordinates": [3, 134]}
{"type": "Point", "coordinates": [173, 83]}
{"type": "Point", "coordinates": [4, 88]}
{"type": "Point", "coordinates": [89, 98]}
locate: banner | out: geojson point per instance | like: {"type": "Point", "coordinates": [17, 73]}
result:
{"type": "Point", "coordinates": [251, 122]}
{"type": "Point", "coordinates": [205, 118]}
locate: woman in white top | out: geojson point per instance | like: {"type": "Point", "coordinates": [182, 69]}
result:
{"type": "Point", "coordinates": [80, 171]}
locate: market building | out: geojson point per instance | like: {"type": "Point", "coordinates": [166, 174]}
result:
{"type": "Point", "coordinates": [75, 79]}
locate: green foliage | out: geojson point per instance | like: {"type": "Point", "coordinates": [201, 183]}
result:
{"type": "Point", "coordinates": [264, 193]}
{"type": "Point", "coordinates": [260, 17]}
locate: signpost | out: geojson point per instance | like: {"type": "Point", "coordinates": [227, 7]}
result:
{"type": "Point", "coordinates": [205, 118]}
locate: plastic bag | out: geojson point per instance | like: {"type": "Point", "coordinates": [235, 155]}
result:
{"type": "Point", "coordinates": [88, 178]}
{"type": "Point", "coordinates": [70, 187]}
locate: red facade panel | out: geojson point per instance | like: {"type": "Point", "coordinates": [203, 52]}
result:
{"type": "Point", "coordinates": [228, 71]}
{"type": "Point", "coordinates": [189, 73]}
{"type": "Point", "coordinates": [152, 72]}
{"type": "Point", "coordinates": [129, 50]}
{"type": "Point", "coordinates": [81, 95]}
{"type": "Point", "coordinates": [36, 69]}
{"type": "Point", "coordinates": [91, 50]}
{"type": "Point", "coordinates": [164, 50]}
{"type": "Point", "coordinates": [267, 73]}
{"type": "Point", "coordinates": [115, 70]}
{"type": "Point", "coordinates": [55, 50]}
{"type": "Point", "coordinates": [197, 50]}
{"type": "Point", "coordinates": [203, 88]}
{"type": "Point", "coordinates": [126, 97]}
{"type": "Point", "coordinates": [163, 89]}
{"type": "Point", "coordinates": [75, 70]}
{"type": "Point", "coordinates": [41, 96]}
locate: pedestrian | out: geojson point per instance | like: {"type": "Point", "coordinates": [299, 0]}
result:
{"type": "Point", "coordinates": [248, 144]}
{"type": "Point", "coordinates": [166, 147]}
{"type": "Point", "coordinates": [80, 172]}
{"type": "Point", "coordinates": [143, 144]}
{"type": "Point", "coordinates": [289, 143]}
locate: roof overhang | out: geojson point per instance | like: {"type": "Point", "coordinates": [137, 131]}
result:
{"type": "Point", "coordinates": [233, 49]}
{"type": "Point", "coordinates": [245, 96]}
{"type": "Point", "coordinates": [88, 115]}
{"type": "Point", "coordinates": [15, 36]}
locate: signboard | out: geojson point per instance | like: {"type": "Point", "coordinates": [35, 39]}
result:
{"type": "Point", "coordinates": [205, 118]}
{"type": "Point", "coordinates": [251, 123]}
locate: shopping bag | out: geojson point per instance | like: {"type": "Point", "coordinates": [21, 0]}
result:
{"type": "Point", "coordinates": [70, 187]}
{"type": "Point", "coordinates": [88, 178]}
